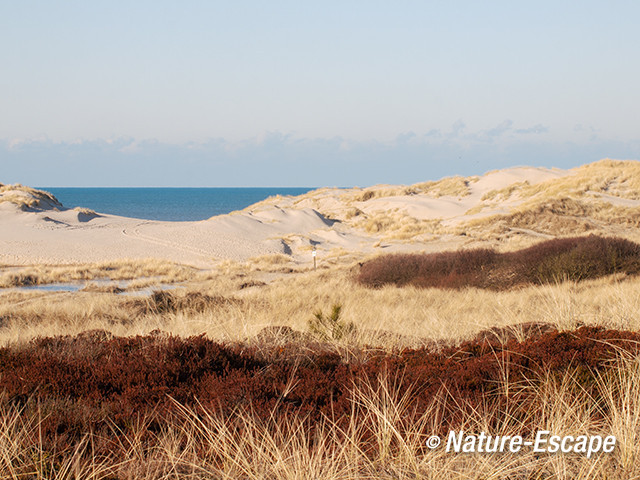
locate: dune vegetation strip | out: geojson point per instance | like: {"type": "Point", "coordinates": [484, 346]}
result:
{"type": "Point", "coordinates": [162, 271]}
{"type": "Point", "coordinates": [238, 302]}
{"type": "Point", "coordinates": [551, 261]}
{"type": "Point", "coordinates": [166, 407]}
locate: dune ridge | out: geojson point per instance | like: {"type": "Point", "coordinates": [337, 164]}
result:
{"type": "Point", "coordinates": [502, 208]}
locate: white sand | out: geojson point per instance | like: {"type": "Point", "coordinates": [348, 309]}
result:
{"type": "Point", "coordinates": [59, 237]}
{"type": "Point", "coordinates": [288, 225]}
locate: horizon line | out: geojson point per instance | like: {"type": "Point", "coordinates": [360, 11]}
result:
{"type": "Point", "coordinates": [174, 186]}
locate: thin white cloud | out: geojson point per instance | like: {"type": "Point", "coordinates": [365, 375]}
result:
{"type": "Point", "coordinates": [535, 129]}
{"type": "Point", "coordinates": [500, 129]}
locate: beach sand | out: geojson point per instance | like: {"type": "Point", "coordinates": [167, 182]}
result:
{"type": "Point", "coordinates": [35, 229]}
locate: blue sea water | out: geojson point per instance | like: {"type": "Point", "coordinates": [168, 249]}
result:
{"type": "Point", "coordinates": [168, 204]}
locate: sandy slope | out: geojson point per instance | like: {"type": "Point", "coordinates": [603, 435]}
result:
{"type": "Point", "coordinates": [60, 237]}
{"type": "Point", "coordinates": [34, 228]}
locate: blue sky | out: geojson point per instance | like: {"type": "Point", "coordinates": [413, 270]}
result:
{"type": "Point", "coordinates": [297, 93]}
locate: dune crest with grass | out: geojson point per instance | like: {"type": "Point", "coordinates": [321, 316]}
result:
{"type": "Point", "coordinates": [515, 206]}
{"type": "Point", "coordinates": [500, 205]}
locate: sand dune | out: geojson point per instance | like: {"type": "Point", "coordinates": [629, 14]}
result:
{"type": "Point", "coordinates": [50, 236]}
{"type": "Point", "coordinates": [521, 203]}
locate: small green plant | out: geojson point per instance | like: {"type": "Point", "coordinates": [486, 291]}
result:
{"type": "Point", "coordinates": [330, 327]}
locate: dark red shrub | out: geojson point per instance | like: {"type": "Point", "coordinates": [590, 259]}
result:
{"type": "Point", "coordinates": [577, 258]}
{"type": "Point", "coordinates": [444, 269]}
{"type": "Point", "coordinates": [110, 385]}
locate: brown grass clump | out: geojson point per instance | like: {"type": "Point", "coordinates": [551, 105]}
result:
{"type": "Point", "coordinates": [163, 302]}
{"type": "Point", "coordinates": [274, 262]}
{"type": "Point", "coordinates": [576, 259]}
{"type": "Point", "coordinates": [22, 201]}
{"type": "Point", "coordinates": [21, 280]}
{"type": "Point", "coordinates": [271, 259]}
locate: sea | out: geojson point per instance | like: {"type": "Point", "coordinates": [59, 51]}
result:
{"type": "Point", "coordinates": [168, 204]}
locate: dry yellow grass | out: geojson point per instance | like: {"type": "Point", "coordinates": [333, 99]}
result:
{"type": "Point", "coordinates": [572, 194]}
{"type": "Point", "coordinates": [614, 177]}
{"type": "Point", "coordinates": [162, 271]}
{"type": "Point", "coordinates": [22, 201]}
{"type": "Point", "coordinates": [26, 196]}
{"type": "Point", "coordinates": [619, 178]}
{"type": "Point", "coordinates": [593, 198]}
{"type": "Point", "coordinates": [395, 225]}
{"type": "Point", "coordinates": [263, 451]}
{"type": "Point", "coordinates": [564, 216]}
{"type": "Point", "coordinates": [402, 316]}
{"type": "Point", "coordinates": [270, 259]}
{"type": "Point", "coordinates": [85, 211]}
{"type": "Point", "coordinates": [504, 193]}
{"type": "Point", "coordinates": [450, 186]}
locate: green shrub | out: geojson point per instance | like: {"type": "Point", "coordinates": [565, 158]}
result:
{"type": "Point", "coordinates": [330, 327]}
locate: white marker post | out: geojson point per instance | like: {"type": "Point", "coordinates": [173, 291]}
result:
{"type": "Point", "coordinates": [314, 255]}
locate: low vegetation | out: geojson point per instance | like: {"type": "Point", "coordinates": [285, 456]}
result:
{"type": "Point", "coordinates": [27, 197]}
{"type": "Point", "coordinates": [161, 271]}
{"type": "Point", "coordinates": [449, 186]}
{"type": "Point", "coordinates": [552, 261]}
{"type": "Point", "coordinates": [618, 178]}
{"type": "Point", "coordinates": [592, 198]}
{"type": "Point", "coordinates": [164, 302]}
{"type": "Point", "coordinates": [331, 326]}
{"type": "Point", "coordinates": [233, 404]}
{"type": "Point", "coordinates": [94, 406]}
{"type": "Point", "coordinates": [385, 317]}
{"type": "Point", "coordinates": [562, 216]}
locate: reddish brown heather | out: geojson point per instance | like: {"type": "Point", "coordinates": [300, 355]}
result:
{"type": "Point", "coordinates": [93, 382]}
{"type": "Point", "coordinates": [577, 258]}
